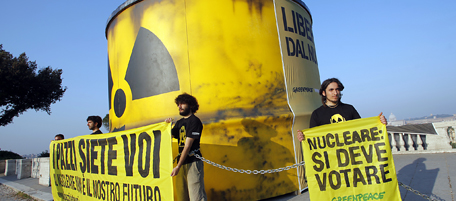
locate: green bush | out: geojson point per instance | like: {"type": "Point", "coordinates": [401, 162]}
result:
{"type": "Point", "coordinates": [44, 154]}
{"type": "Point", "coordinates": [5, 155]}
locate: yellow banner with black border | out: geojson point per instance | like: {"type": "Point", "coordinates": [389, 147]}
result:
{"type": "Point", "coordinates": [351, 160]}
{"type": "Point", "coordinates": [127, 165]}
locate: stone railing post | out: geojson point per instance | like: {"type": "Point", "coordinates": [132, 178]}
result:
{"type": "Point", "coordinates": [392, 142]}
{"type": "Point", "coordinates": [407, 141]}
{"type": "Point", "coordinates": [414, 141]}
{"type": "Point", "coordinates": [399, 141]}
{"type": "Point", "coordinates": [423, 138]}
{"type": "Point", "coordinates": [419, 143]}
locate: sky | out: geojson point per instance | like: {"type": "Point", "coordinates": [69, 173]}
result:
{"type": "Point", "coordinates": [392, 57]}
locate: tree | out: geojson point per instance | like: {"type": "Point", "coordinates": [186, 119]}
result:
{"type": "Point", "coordinates": [4, 155]}
{"type": "Point", "coordinates": [21, 88]}
{"type": "Point", "coordinates": [106, 122]}
{"type": "Point", "coordinates": [44, 154]}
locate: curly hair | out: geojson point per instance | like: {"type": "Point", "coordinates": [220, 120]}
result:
{"type": "Point", "coordinates": [189, 100]}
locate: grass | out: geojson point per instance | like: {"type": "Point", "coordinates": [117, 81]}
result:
{"type": "Point", "coordinates": [24, 196]}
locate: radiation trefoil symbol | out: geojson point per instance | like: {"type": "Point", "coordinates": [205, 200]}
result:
{"type": "Point", "coordinates": [182, 136]}
{"type": "Point", "coordinates": [337, 118]}
{"type": "Point", "coordinates": [151, 71]}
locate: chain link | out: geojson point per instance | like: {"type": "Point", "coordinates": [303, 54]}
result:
{"type": "Point", "coordinates": [416, 192]}
{"type": "Point", "coordinates": [288, 168]}
{"type": "Point", "coordinates": [248, 171]}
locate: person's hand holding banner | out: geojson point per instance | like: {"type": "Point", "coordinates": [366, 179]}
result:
{"type": "Point", "coordinates": [351, 160]}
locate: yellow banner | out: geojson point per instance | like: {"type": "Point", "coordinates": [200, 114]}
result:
{"type": "Point", "coordinates": [350, 161]}
{"type": "Point", "coordinates": [129, 165]}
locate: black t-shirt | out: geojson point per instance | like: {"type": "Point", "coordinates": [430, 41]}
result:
{"type": "Point", "coordinates": [97, 132]}
{"type": "Point", "coordinates": [188, 127]}
{"type": "Point", "coordinates": [326, 115]}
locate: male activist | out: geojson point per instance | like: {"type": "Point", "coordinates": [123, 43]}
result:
{"type": "Point", "coordinates": [59, 137]}
{"type": "Point", "coordinates": [333, 110]}
{"type": "Point", "coordinates": [94, 123]}
{"type": "Point", "coordinates": [189, 169]}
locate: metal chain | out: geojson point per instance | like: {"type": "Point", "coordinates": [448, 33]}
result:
{"type": "Point", "coordinates": [416, 192]}
{"type": "Point", "coordinates": [249, 171]}
{"type": "Point", "coordinates": [189, 154]}
{"type": "Point", "coordinates": [290, 167]}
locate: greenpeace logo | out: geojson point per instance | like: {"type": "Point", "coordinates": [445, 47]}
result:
{"type": "Point", "coordinates": [304, 89]}
{"type": "Point", "coordinates": [361, 197]}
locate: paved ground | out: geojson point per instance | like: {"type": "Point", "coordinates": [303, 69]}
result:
{"type": "Point", "coordinates": [9, 194]}
{"type": "Point", "coordinates": [29, 186]}
{"type": "Point", "coordinates": [431, 174]}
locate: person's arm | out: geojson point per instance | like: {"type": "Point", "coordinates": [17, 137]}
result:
{"type": "Point", "coordinates": [300, 136]}
{"type": "Point", "coordinates": [383, 118]}
{"type": "Point", "coordinates": [173, 131]}
{"type": "Point", "coordinates": [184, 154]}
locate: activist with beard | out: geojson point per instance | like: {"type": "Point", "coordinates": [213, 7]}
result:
{"type": "Point", "coordinates": [94, 123]}
{"type": "Point", "coordinates": [189, 169]}
{"type": "Point", "coordinates": [332, 109]}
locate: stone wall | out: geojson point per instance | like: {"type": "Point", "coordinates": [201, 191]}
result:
{"type": "Point", "coordinates": [17, 166]}
{"type": "Point", "coordinates": [35, 167]}
{"type": "Point", "coordinates": [45, 178]}
{"type": "Point", "coordinates": [442, 129]}
{"type": "Point", "coordinates": [24, 169]}
{"type": "Point", "coordinates": [10, 167]}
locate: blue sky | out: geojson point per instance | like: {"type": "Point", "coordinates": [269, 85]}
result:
{"type": "Point", "coordinates": [392, 56]}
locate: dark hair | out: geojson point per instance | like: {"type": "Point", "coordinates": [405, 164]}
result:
{"type": "Point", "coordinates": [60, 135]}
{"type": "Point", "coordinates": [96, 119]}
{"type": "Point", "coordinates": [325, 84]}
{"type": "Point", "coordinates": [189, 100]}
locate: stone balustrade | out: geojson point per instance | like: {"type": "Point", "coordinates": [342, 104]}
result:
{"type": "Point", "coordinates": [427, 137]}
{"type": "Point", "coordinates": [407, 142]}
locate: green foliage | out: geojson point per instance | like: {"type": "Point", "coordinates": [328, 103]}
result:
{"type": "Point", "coordinates": [5, 155]}
{"type": "Point", "coordinates": [22, 195]}
{"type": "Point", "coordinates": [106, 122]}
{"type": "Point", "coordinates": [453, 145]}
{"type": "Point", "coordinates": [21, 88]}
{"type": "Point", "coordinates": [44, 154]}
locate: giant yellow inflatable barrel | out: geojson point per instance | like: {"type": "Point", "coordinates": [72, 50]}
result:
{"type": "Point", "coordinates": [251, 64]}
